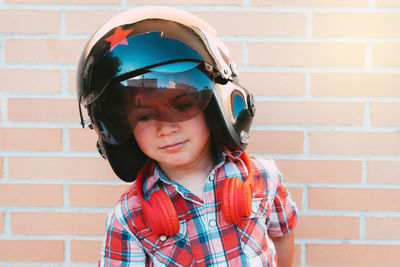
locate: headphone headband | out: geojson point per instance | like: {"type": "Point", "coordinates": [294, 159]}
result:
{"type": "Point", "coordinates": [236, 199]}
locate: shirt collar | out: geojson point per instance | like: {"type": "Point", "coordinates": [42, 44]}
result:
{"type": "Point", "coordinates": [152, 184]}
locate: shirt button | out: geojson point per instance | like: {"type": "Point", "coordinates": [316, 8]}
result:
{"type": "Point", "coordinates": [163, 238]}
{"type": "Point", "coordinates": [212, 223]}
{"type": "Point", "coordinates": [254, 209]}
{"type": "Point", "coordinates": [211, 178]}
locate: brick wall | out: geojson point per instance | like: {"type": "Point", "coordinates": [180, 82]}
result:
{"type": "Point", "coordinates": [327, 84]}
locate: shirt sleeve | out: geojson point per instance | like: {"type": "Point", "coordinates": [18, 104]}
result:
{"type": "Point", "coordinates": [283, 217]}
{"type": "Point", "coordinates": [120, 246]}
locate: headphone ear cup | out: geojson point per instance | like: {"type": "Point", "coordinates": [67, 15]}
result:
{"type": "Point", "coordinates": [247, 199]}
{"type": "Point", "coordinates": [225, 200]}
{"type": "Point", "coordinates": [161, 214]}
{"type": "Point", "coordinates": [236, 200]}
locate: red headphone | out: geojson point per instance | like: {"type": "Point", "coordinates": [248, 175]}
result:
{"type": "Point", "coordinates": [236, 201]}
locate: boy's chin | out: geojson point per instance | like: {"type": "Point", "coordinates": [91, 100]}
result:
{"type": "Point", "coordinates": [177, 161]}
{"type": "Point", "coordinates": [173, 163]}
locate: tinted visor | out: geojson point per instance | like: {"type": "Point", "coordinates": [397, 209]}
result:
{"type": "Point", "coordinates": [170, 93]}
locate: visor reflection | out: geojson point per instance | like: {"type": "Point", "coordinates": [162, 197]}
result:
{"type": "Point", "coordinates": [170, 105]}
{"type": "Point", "coordinates": [238, 104]}
{"type": "Point", "coordinates": [161, 96]}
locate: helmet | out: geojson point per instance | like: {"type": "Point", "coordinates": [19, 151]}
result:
{"type": "Point", "coordinates": [165, 51]}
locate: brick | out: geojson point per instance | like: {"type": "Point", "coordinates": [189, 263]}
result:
{"type": "Point", "coordinates": [309, 113]}
{"type": "Point", "coordinates": [373, 25]}
{"type": "Point", "coordinates": [245, 23]}
{"type": "Point", "coordinates": [87, 21]}
{"type": "Point", "coordinates": [91, 195]}
{"type": "Point", "coordinates": [274, 84]}
{"type": "Point", "coordinates": [355, 84]}
{"type": "Point", "coordinates": [280, 142]}
{"type": "Point", "coordinates": [71, 81]}
{"type": "Point", "coordinates": [1, 167]}
{"type": "Point", "coordinates": [16, 195]}
{"type": "Point", "coordinates": [386, 54]}
{"type": "Point", "coordinates": [382, 114]}
{"type": "Point", "coordinates": [320, 171]}
{"type": "Point", "coordinates": [30, 139]}
{"type": "Point", "coordinates": [1, 222]}
{"type": "Point", "coordinates": [352, 255]}
{"type": "Point", "coordinates": [82, 139]}
{"type": "Point", "coordinates": [334, 227]}
{"type": "Point", "coordinates": [297, 255]}
{"type": "Point", "coordinates": [235, 49]}
{"type": "Point", "coordinates": [387, 3]}
{"type": "Point", "coordinates": [327, 3]}
{"type": "Point", "coordinates": [306, 54]}
{"type": "Point", "coordinates": [383, 172]}
{"type": "Point", "coordinates": [29, 21]}
{"type": "Point", "coordinates": [75, 168]}
{"type": "Point", "coordinates": [30, 80]}
{"type": "Point", "coordinates": [43, 50]}
{"type": "Point", "coordinates": [52, 223]}
{"type": "Point", "coordinates": [296, 193]}
{"type": "Point", "coordinates": [368, 143]}
{"type": "Point", "coordinates": [188, 2]}
{"type": "Point", "coordinates": [31, 250]}
{"type": "Point", "coordinates": [382, 228]}
{"type": "Point", "coordinates": [85, 250]}
{"type": "Point", "coordinates": [365, 199]}
{"type": "Point", "coordinates": [74, 2]}
{"type": "Point", "coordinates": [53, 265]}
{"type": "Point", "coordinates": [43, 109]}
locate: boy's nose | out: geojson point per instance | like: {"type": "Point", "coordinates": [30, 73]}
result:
{"type": "Point", "coordinates": [166, 128]}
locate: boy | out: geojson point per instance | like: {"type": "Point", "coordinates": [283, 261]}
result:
{"type": "Point", "coordinates": [164, 98]}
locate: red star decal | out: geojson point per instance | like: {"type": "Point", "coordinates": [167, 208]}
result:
{"type": "Point", "coordinates": [118, 37]}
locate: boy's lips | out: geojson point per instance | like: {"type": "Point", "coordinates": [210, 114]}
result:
{"type": "Point", "coordinates": [173, 146]}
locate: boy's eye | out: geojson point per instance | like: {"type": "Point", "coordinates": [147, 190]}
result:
{"type": "Point", "coordinates": [145, 117]}
{"type": "Point", "coordinates": [140, 115]}
{"type": "Point", "coordinates": [183, 106]}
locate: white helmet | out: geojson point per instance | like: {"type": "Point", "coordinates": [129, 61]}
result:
{"type": "Point", "coordinates": [162, 51]}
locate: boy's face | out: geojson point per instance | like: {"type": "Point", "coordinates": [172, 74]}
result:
{"type": "Point", "coordinates": [175, 144]}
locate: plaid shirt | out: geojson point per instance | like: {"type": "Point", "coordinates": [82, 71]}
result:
{"type": "Point", "coordinates": [204, 238]}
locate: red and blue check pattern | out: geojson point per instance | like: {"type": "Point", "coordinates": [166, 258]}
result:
{"type": "Point", "coordinates": [205, 238]}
